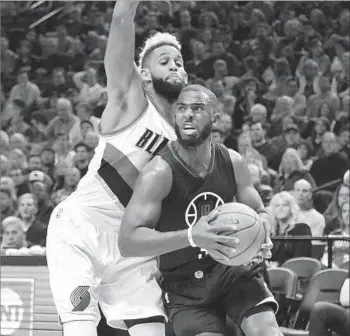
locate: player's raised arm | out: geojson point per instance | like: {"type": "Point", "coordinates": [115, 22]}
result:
{"type": "Point", "coordinates": [126, 99]}
{"type": "Point", "coordinates": [138, 237]}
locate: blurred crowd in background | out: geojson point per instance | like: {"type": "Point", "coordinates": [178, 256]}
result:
{"type": "Point", "coordinates": [279, 69]}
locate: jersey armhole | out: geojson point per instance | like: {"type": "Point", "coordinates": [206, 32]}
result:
{"type": "Point", "coordinates": [227, 157]}
{"type": "Point", "coordinates": [124, 128]}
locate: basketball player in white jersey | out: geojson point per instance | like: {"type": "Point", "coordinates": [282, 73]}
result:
{"type": "Point", "coordinates": [84, 262]}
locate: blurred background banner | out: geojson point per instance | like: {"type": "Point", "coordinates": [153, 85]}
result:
{"type": "Point", "coordinates": [27, 308]}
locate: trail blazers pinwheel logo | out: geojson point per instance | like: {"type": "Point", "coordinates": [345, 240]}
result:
{"type": "Point", "coordinates": [202, 205]}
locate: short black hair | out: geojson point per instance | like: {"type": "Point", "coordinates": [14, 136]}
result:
{"type": "Point", "coordinates": [47, 149]}
{"type": "Point", "coordinates": [34, 155]}
{"type": "Point", "coordinates": [19, 103]}
{"type": "Point", "coordinates": [81, 144]}
{"type": "Point", "coordinates": [263, 125]}
{"type": "Point", "coordinates": [86, 122]}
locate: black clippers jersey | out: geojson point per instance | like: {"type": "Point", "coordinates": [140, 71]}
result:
{"type": "Point", "coordinates": [190, 198]}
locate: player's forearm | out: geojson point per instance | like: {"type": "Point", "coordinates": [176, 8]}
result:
{"type": "Point", "coordinates": [121, 40]}
{"type": "Point", "coordinates": [146, 242]}
{"type": "Point", "coordinates": [251, 197]}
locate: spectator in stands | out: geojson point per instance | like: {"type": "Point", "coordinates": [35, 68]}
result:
{"type": "Point", "coordinates": [285, 213]}
{"type": "Point", "coordinates": [289, 138]}
{"type": "Point", "coordinates": [4, 143]}
{"type": "Point", "coordinates": [291, 89]}
{"type": "Point", "coordinates": [340, 249]}
{"type": "Point", "coordinates": [331, 165]}
{"type": "Point", "coordinates": [63, 150]}
{"type": "Point", "coordinates": [308, 214]}
{"type": "Point", "coordinates": [291, 170]}
{"type": "Point", "coordinates": [48, 160]}
{"type": "Point", "coordinates": [34, 229]}
{"type": "Point", "coordinates": [7, 182]}
{"type": "Point", "coordinates": [19, 179]}
{"type": "Point", "coordinates": [344, 142]}
{"type": "Point", "coordinates": [71, 179]}
{"type": "Point", "coordinates": [85, 113]}
{"type": "Point", "coordinates": [340, 122]}
{"type": "Point", "coordinates": [264, 146]}
{"type": "Point", "coordinates": [341, 195]}
{"type": "Point", "coordinates": [13, 233]}
{"type": "Point", "coordinates": [34, 162]}
{"type": "Point", "coordinates": [82, 158]}
{"type": "Point", "coordinates": [308, 77]}
{"type": "Point", "coordinates": [8, 59]}
{"type": "Point", "coordinates": [328, 317]}
{"type": "Point", "coordinates": [91, 140]}
{"type": "Point", "coordinates": [17, 123]}
{"type": "Point", "coordinates": [90, 89]}
{"type": "Point", "coordinates": [315, 140]}
{"type": "Point", "coordinates": [4, 165]}
{"type": "Point", "coordinates": [25, 90]}
{"type": "Point", "coordinates": [305, 150]}
{"type": "Point", "coordinates": [221, 74]}
{"type": "Point", "coordinates": [258, 114]}
{"type": "Point", "coordinates": [217, 136]}
{"type": "Point", "coordinates": [18, 159]}
{"type": "Point", "coordinates": [6, 204]}
{"type": "Point", "coordinates": [65, 122]}
{"type": "Point", "coordinates": [58, 85]}
{"type": "Point", "coordinates": [19, 141]}
{"type": "Point", "coordinates": [40, 190]}
{"type": "Point", "coordinates": [317, 101]}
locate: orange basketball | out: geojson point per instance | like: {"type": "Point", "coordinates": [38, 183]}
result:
{"type": "Point", "coordinates": [250, 232]}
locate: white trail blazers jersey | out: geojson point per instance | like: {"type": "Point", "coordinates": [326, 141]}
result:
{"type": "Point", "coordinates": [106, 189]}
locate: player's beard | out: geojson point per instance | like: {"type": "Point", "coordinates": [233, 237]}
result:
{"type": "Point", "coordinates": [194, 142]}
{"type": "Point", "coordinates": [169, 91]}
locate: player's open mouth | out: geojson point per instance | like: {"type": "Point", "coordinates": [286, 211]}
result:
{"type": "Point", "coordinates": [189, 128]}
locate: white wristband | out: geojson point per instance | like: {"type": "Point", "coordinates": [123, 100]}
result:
{"type": "Point", "coordinates": [189, 236]}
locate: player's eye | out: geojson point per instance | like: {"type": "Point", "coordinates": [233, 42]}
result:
{"type": "Point", "coordinates": [198, 108]}
{"type": "Point", "coordinates": [181, 108]}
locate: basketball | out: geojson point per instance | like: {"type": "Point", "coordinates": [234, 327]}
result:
{"type": "Point", "coordinates": [250, 232]}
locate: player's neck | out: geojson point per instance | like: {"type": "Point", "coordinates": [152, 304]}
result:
{"type": "Point", "coordinates": [163, 105]}
{"type": "Point", "coordinates": [196, 157]}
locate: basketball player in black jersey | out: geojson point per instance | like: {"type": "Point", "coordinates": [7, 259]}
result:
{"type": "Point", "coordinates": [183, 186]}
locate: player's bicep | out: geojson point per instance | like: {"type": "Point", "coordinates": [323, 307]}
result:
{"type": "Point", "coordinates": [246, 192]}
{"type": "Point", "coordinates": [145, 205]}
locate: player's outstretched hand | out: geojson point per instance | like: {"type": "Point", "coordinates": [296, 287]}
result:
{"type": "Point", "coordinates": [207, 236]}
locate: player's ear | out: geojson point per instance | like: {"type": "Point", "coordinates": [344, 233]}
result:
{"type": "Point", "coordinates": [215, 117]}
{"type": "Point", "coordinates": [146, 75]}
{"type": "Point", "coordinates": [186, 79]}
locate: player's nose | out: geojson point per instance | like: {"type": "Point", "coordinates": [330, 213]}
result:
{"type": "Point", "coordinates": [172, 66]}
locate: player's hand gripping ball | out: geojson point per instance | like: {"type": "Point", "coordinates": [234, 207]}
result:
{"type": "Point", "coordinates": [250, 232]}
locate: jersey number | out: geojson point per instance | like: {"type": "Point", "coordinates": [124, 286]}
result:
{"type": "Point", "coordinates": [204, 209]}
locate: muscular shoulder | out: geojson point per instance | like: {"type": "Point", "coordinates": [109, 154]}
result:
{"type": "Point", "coordinates": [156, 178]}
{"type": "Point", "coordinates": [235, 157]}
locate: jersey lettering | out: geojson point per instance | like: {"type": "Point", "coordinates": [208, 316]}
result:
{"type": "Point", "coordinates": [152, 142]}
{"type": "Point", "coordinates": [144, 138]}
